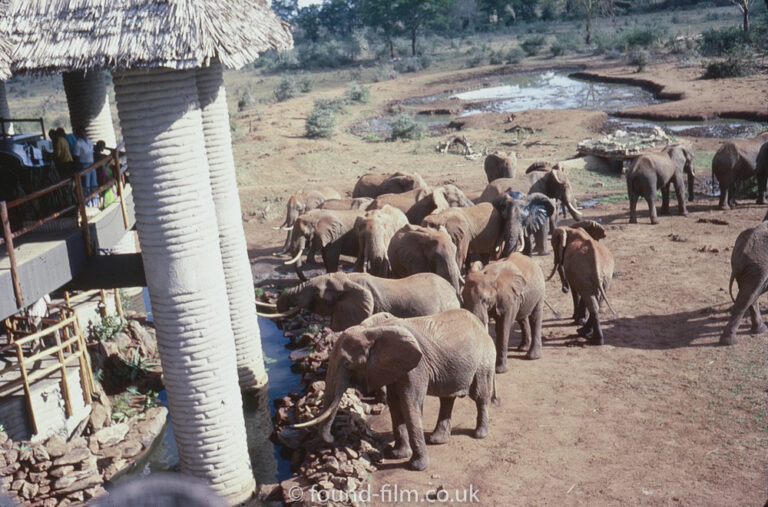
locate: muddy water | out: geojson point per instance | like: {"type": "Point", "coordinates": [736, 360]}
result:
{"type": "Point", "coordinates": [268, 466]}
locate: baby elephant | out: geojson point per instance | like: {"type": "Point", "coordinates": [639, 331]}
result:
{"type": "Point", "coordinates": [510, 290]}
{"type": "Point", "coordinates": [586, 266]}
{"type": "Point", "coordinates": [446, 355]}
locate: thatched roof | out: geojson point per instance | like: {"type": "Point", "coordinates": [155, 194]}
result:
{"type": "Point", "coordinates": [5, 49]}
{"type": "Point", "coordinates": [58, 35]}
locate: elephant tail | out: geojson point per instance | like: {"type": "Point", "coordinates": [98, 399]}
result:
{"type": "Point", "coordinates": [730, 285]}
{"type": "Point", "coordinates": [601, 288]}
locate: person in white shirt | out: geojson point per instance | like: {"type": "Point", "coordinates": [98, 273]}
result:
{"type": "Point", "coordinates": [83, 154]}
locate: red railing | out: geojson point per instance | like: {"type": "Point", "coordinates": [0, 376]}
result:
{"type": "Point", "coordinates": [82, 198]}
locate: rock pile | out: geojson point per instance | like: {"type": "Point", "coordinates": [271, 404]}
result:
{"type": "Point", "coordinates": [622, 144]}
{"type": "Point", "coordinates": [60, 472]}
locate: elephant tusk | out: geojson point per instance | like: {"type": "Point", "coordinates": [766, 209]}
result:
{"type": "Point", "coordinates": [317, 420]}
{"type": "Point", "coordinates": [288, 228]}
{"type": "Point", "coordinates": [522, 244]}
{"type": "Point", "coordinates": [576, 214]}
{"type": "Point", "coordinates": [268, 305]}
{"type": "Point", "coordinates": [283, 315]}
{"type": "Point", "coordinates": [295, 259]}
{"type": "Point", "coordinates": [277, 228]}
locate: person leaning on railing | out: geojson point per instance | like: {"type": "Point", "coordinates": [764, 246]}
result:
{"type": "Point", "coordinates": [83, 153]}
{"type": "Point", "coordinates": [106, 173]}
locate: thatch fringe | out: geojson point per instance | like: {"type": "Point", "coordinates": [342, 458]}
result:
{"type": "Point", "coordinates": [58, 35]}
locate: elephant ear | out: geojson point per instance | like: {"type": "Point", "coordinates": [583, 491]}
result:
{"type": "Point", "coordinates": [329, 230]}
{"type": "Point", "coordinates": [377, 319]}
{"type": "Point", "coordinates": [511, 284]}
{"type": "Point", "coordinates": [393, 353]}
{"type": "Point", "coordinates": [537, 211]}
{"type": "Point", "coordinates": [355, 304]}
{"type": "Point", "coordinates": [438, 196]}
{"type": "Point", "coordinates": [594, 229]}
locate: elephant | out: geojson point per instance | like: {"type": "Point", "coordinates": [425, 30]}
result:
{"type": "Point", "coordinates": [525, 221]}
{"type": "Point", "coordinates": [475, 230]}
{"type": "Point", "coordinates": [301, 202]}
{"type": "Point", "coordinates": [749, 267]}
{"type": "Point", "coordinates": [736, 160]}
{"type": "Point", "coordinates": [415, 249]}
{"type": "Point", "coordinates": [374, 185]}
{"type": "Point", "coordinates": [500, 165]}
{"type": "Point", "coordinates": [585, 266]}
{"type": "Point", "coordinates": [553, 182]}
{"type": "Point", "coordinates": [374, 231]}
{"type": "Point", "coordinates": [652, 171]}
{"type": "Point", "coordinates": [509, 290]}
{"type": "Point", "coordinates": [350, 298]}
{"type": "Point", "coordinates": [347, 204]}
{"type": "Point", "coordinates": [761, 169]}
{"type": "Point", "coordinates": [416, 204]}
{"type": "Point", "coordinates": [446, 355]}
{"type": "Point", "coordinates": [330, 231]}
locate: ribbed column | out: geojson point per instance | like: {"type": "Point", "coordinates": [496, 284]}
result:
{"type": "Point", "coordinates": [5, 111]}
{"type": "Point", "coordinates": [234, 250]}
{"type": "Point", "coordinates": [162, 127]}
{"type": "Point", "coordinates": [89, 105]}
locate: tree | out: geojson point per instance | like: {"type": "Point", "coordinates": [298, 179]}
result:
{"type": "Point", "coordinates": [286, 9]}
{"type": "Point", "coordinates": [743, 6]}
{"type": "Point", "coordinates": [382, 14]}
{"type": "Point", "coordinates": [590, 9]}
{"type": "Point", "coordinates": [417, 14]}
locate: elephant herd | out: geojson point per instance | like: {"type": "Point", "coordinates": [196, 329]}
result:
{"type": "Point", "coordinates": [433, 268]}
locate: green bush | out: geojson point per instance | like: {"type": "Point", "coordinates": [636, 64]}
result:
{"type": "Point", "coordinates": [639, 58]}
{"type": "Point", "coordinates": [287, 89]}
{"type": "Point", "coordinates": [384, 73]}
{"type": "Point", "coordinates": [719, 42]}
{"type": "Point", "coordinates": [515, 55]}
{"type": "Point", "coordinates": [476, 60]}
{"type": "Point", "coordinates": [305, 84]}
{"type": "Point", "coordinates": [324, 55]}
{"type": "Point", "coordinates": [358, 93]}
{"type": "Point", "coordinates": [245, 101]}
{"type": "Point", "coordinates": [109, 326]}
{"type": "Point", "coordinates": [733, 66]}
{"type": "Point", "coordinates": [412, 64]}
{"type": "Point", "coordinates": [644, 36]}
{"type": "Point", "coordinates": [321, 122]}
{"type": "Point", "coordinates": [532, 45]}
{"type": "Point", "coordinates": [405, 126]}
{"type": "Point", "coordinates": [564, 44]}
{"type": "Point", "coordinates": [496, 57]}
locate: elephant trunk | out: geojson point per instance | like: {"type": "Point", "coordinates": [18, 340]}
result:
{"type": "Point", "coordinates": [289, 298]}
{"type": "Point", "coordinates": [336, 384]}
{"type": "Point", "coordinates": [376, 253]}
{"type": "Point", "coordinates": [691, 180]}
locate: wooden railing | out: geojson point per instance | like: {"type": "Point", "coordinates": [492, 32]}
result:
{"type": "Point", "coordinates": [80, 206]}
{"type": "Point", "coordinates": [68, 348]}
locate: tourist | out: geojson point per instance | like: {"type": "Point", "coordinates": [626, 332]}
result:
{"type": "Point", "coordinates": [83, 152]}
{"type": "Point", "coordinates": [62, 157]}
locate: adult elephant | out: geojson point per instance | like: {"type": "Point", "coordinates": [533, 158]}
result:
{"type": "Point", "coordinates": [552, 181]}
{"type": "Point", "coordinates": [474, 230]}
{"type": "Point", "coordinates": [374, 185]}
{"type": "Point", "coordinates": [585, 267]}
{"type": "Point", "coordinates": [500, 165]}
{"type": "Point", "coordinates": [330, 231]}
{"type": "Point", "coordinates": [735, 160]}
{"type": "Point", "coordinates": [761, 169]}
{"type": "Point", "coordinates": [749, 267]}
{"type": "Point", "coordinates": [416, 204]}
{"type": "Point", "coordinates": [374, 231]}
{"type": "Point", "coordinates": [653, 171]}
{"type": "Point", "coordinates": [446, 355]}
{"type": "Point", "coordinates": [301, 202]}
{"type": "Point", "coordinates": [350, 298]}
{"type": "Point", "coordinates": [525, 221]}
{"type": "Point", "coordinates": [415, 249]}
{"type": "Point", "coordinates": [347, 204]}
{"type": "Point", "coordinates": [510, 290]}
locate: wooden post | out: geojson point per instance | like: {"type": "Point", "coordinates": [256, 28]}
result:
{"type": "Point", "coordinates": [83, 215]}
{"type": "Point", "coordinates": [66, 299]}
{"type": "Point", "coordinates": [103, 309]}
{"type": "Point", "coordinates": [8, 237]}
{"type": "Point", "coordinates": [86, 370]}
{"type": "Point", "coordinates": [120, 189]}
{"type": "Point", "coordinates": [118, 304]}
{"type": "Point", "coordinates": [27, 390]}
{"type": "Point", "coordinates": [64, 382]}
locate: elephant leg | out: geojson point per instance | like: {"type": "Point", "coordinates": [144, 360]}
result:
{"type": "Point", "coordinates": [401, 447]}
{"type": "Point", "coordinates": [732, 194]}
{"type": "Point", "coordinates": [762, 183]}
{"type": "Point", "coordinates": [442, 431]}
{"type": "Point", "coordinates": [680, 192]}
{"type": "Point", "coordinates": [664, 200]}
{"type": "Point", "coordinates": [331, 254]}
{"type": "Point", "coordinates": [749, 291]}
{"type": "Point", "coordinates": [596, 337]}
{"type": "Point", "coordinates": [541, 239]}
{"type": "Point", "coordinates": [481, 391]}
{"type": "Point", "coordinates": [525, 335]}
{"type": "Point", "coordinates": [724, 197]}
{"type": "Point", "coordinates": [650, 198]}
{"type": "Point", "coordinates": [633, 196]}
{"type": "Point", "coordinates": [411, 403]}
{"type": "Point", "coordinates": [503, 330]}
{"type": "Point", "coordinates": [535, 318]}
{"type": "Point", "coordinates": [758, 326]}
{"type": "Point", "coordinates": [579, 309]}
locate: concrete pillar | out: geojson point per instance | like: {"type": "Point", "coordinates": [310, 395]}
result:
{"type": "Point", "coordinates": [5, 111]}
{"type": "Point", "coordinates": [89, 105]}
{"type": "Point", "coordinates": [234, 250]}
{"type": "Point", "coordinates": [162, 126]}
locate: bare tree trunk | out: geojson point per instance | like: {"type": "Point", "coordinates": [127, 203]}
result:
{"type": "Point", "coordinates": [163, 130]}
{"type": "Point", "coordinates": [413, 42]}
{"type": "Point", "coordinates": [746, 19]}
{"type": "Point", "coordinates": [392, 44]}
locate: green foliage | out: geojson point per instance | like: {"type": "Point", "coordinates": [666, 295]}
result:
{"type": "Point", "coordinates": [644, 36]}
{"type": "Point", "coordinates": [305, 84]}
{"type": "Point", "coordinates": [716, 42]}
{"type": "Point", "coordinates": [330, 54]}
{"type": "Point", "coordinates": [122, 407]}
{"type": "Point", "coordinates": [137, 366]}
{"type": "Point", "coordinates": [258, 292]}
{"type": "Point", "coordinates": [532, 45]}
{"type": "Point", "coordinates": [406, 127]}
{"type": "Point", "coordinates": [109, 326]}
{"type": "Point", "coordinates": [358, 93]}
{"type": "Point", "coordinates": [733, 66]}
{"type": "Point", "coordinates": [150, 400]}
{"type": "Point", "coordinates": [639, 58]}
{"type": "Point", "coordinates": [245, 101]}
{"type": "Point", "coordinates": [412, 64]}
{"type": "Point", "coordinates": [98, 375]}
{"type": "Point", "coordinates": [321, 122]}
{"type": "Point", "coordinates": [564, 44]}
{"type": "Point", "coordinates": [384, 73]}
{"type": "Point", "coordinates": [287, 89]}
{"type": "Point", "coordinates": [515, 55]}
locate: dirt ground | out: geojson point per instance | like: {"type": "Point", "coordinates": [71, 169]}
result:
{"type": "Point", "coordinates": [659, 415]}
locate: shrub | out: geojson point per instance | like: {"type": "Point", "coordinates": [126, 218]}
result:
{"type": "Point", "coordinates": [719, 42]}
{"type": "Point", "coordinates": [412, 64]}
{"type": "Point", "coordinates": [475, 60]}
{"type": "Point", "coordinates": [109, 326]}
{"type": "Point", "coordinates": [644, 36]}
{"type": "Point", "coordinates": [384, 73]}
{"type": "Point", "coordinates": [532, 45]}
{"type": "Point", "coordinates": [639, 58]}
{"type": "Point", "coordinates": [515, 55]}
{"type": "Point", "coordinates": [358, 93]}
{"type": "Point", "coordinates": [496, 57]}
{"type": "Point", "coordinates": [405, 126]}
{"type": "Point", "coordinates": [733, 66]}
{"type": "Point", "coordinates": [330, 54]}
{"type": "Point", "coordinates": [564, 44]}
{"type": "Point", "coordinates": [321, 122]}
{"type": "Point", "coordinates": [305, 84]}
{"type": "Point", "coordinates": [245, 101]}
{"type": "Point", "coordinates": [287, 89]}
